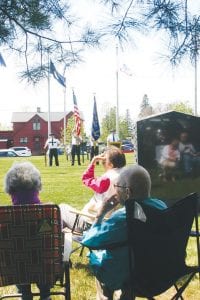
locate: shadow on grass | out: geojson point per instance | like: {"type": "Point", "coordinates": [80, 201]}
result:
{"type": "Point", "coordinates": [172, 191]}
{"type": "Point", "coordinates": [82, 266]}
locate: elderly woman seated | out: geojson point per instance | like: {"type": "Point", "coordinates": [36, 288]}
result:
{"type": "Point", "coordinates": [23, 184]}
{"type": "Point", "coordinates": [113, 160]}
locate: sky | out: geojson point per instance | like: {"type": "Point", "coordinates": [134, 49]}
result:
{"type": "Point", "coordinates": [97, 75]}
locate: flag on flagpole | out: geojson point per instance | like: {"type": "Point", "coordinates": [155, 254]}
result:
{"type": "Point", "coordinates": [2, 61]}
{"type": "Point", "coordinates": [95, 122]}
{"type": "Point", "coordinates": [76, 116]}
{"type": "Point", "coordinates": [56, 75]}
{"type": "Point", "coordinates": [125, 69]}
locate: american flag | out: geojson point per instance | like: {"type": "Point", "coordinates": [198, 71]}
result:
{"type": "Point", "coordinates": [76, 116]}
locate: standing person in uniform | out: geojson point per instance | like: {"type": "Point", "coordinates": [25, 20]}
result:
{"type": "Point", "coordinates": [76, 147]}
{"type": "Point", "coordinates": [52, 143]}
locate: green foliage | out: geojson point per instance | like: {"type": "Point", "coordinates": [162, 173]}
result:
{"type": "Point", "coordinates": [145, 107]}
{"type": "Point", "coordinates": [183, 107]}
{"type": "Point", "coordinates": [130, 123]}
{"type": "Point", "coordinates": [109, 122]}
{"type": "Point", "coordinates": [124, 129]}
{"type": "Point", "coordinates": [179, 106]}
{"type": "Point", "coordinates": [70, 126]}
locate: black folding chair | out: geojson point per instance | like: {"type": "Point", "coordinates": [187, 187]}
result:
{"type": "Point", "coordinates": [157, 248]}
{"type": "Point", "coordinates": [32, 249]}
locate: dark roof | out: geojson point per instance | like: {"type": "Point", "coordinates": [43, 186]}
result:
{"type": "Point", "coordinates": [166, 114]}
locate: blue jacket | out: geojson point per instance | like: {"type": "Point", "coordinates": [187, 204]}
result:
{"type": "Point", "coordinates": [111, 267]}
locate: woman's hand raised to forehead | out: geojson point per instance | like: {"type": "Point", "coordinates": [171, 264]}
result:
{"type": "Point", "coordinates": [98, 158]}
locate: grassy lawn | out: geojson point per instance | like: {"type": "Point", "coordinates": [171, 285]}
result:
{"type": "Point", "coordinates": [63, 184]}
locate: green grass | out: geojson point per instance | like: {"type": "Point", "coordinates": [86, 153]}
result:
{"type": "Point", "coordinates": [63, 184]}
{"type": "Point", "coordinates": [171, 191]}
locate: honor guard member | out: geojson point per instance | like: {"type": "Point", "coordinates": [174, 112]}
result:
{"type": "Point", "coordinates": [52, 143]}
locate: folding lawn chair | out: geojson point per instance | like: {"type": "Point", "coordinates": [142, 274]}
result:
{"type": "Point", "coordinates": [157, 248]}
{"type": "Point", "coordinates": [31, 248]}
{"type": "Point", "coordinates": [77, 236]}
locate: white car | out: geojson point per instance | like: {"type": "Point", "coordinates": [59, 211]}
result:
{"type": "Point", "coordinates": [22, 151]}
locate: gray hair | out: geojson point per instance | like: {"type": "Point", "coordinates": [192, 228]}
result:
{"type": "Point", "coordinates": [138, 180]}
{"type": "Point", "coordinates": [22, 176]}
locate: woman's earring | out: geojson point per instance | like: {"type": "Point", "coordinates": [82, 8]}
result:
{"type": "Point", "coordinates": [127, 193]}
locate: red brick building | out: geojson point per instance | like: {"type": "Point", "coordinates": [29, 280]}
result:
{"type": "Point", "coordinates": [31, 129]}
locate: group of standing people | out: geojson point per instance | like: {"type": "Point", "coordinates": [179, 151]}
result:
{"type": "Point", "coordinates": [52, 144]}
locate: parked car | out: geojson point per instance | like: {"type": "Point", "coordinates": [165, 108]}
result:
{"type": "Point", "coordinates": [127, 146]}
{"type": "Point", "coordinates": [22, 151]}
{"type": "Point", "coordinates": [8, 153]}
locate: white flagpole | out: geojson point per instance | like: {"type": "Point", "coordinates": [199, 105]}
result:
{"type": "Point", "coordinates": [64, 121]}
{"type": "Point", "coordinates": [195, 85]}
{"type": "Point", "coordinates": [49, 110]}
{"type": "Point", "coordinates": [117, 92]}
{"type": "Point", "coordinates": [195, 71]}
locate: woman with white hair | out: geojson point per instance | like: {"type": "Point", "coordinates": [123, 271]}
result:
{"type": "Point", "coordinates": [111, 266]}
{"type": "Point", "coordinates": [23, 184]}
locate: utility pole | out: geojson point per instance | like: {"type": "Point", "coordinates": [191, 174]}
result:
{"type": "Point", "coordinates": [49, 96]}
{"type": "Point", "coordinates": [195, 70]}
